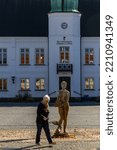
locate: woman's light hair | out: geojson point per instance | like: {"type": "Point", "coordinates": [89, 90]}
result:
{"type": "Point", "coordinates": [46, 96]}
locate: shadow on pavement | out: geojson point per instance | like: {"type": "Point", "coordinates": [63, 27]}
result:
{"type": "Point", "coordinates": [32, 147]}
{"type": "Point", "coordinates": [26, 147]}
{"type": "Point", "coordinates": [14, 140]}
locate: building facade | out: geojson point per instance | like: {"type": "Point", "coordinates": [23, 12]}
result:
{"type": "Point", "coordinates": [33, 66]}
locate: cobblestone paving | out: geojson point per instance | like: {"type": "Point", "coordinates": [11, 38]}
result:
{"type": "Point", "coordinates": [17, 129]}
{"type": "Point", "coordinates": [81, 139]}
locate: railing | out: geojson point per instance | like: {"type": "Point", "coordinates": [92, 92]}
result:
{"type": "Point", "coordinates": [24, 94]}
{"type": "Point", "coordinates": [64, 68]}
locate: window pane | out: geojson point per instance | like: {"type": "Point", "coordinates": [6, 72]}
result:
{"type": "Point", "coordinates": [22, 84]}
{"type": "Point", "coordinates": [37, 50]}
{"type": "Point", "coordinates": [42, 51]}
{"type": "Point", "coordinates": [42, 59]}
{"type": "Point", "coordinates": [4, 50]}
{"type": "Point", "coordinates": [22, 58]}
{"type": "Point", "coordinates": [27, 50]}
{"type": "Point", "coordinates": [40, 84]}
{"type": "Point", "coordinates": [91, 55]}
{"type": "Point", "coordinates": [4, 58]}
{"type": "Point", "coordinates": [67, 57]}
{"type": "Point", "coordinates": [86, 58]}
{"type": "Point", "coordinates": [0, 84]}
{"type": "Point", "coordinates": [22, 50]}
{"type": "Point", "coordinates": [62, 57]}
{"type": "Point", "coordinates": [27, 84]}
{"type": "Point", "coordinates": [91, 83]}
{"type": "Point", "coordinates": [86, 83]}
{"type": "Point", "coordinates": [0, 58]}
{"type": "Point", "coordinates": [5, 84]}
{"type": "Point", "coordinates": [37, 84]}
{"type": "Point", "coordinates": [27, 58]}
{"type": "Point", "coordinates": [91, 58]}
{"type": "Point", "coordinates": [37, 58]}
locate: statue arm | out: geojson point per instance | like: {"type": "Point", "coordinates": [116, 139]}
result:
{"type": "Point", "coordinates": [68, 95]}
{"type": "Point", "coordinates": [57, 102]}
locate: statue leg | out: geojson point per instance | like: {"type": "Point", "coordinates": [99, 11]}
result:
{"type": "Point", "coordinates": [60, 110]}
{"type": "Point", "coordinates": [66, 109]}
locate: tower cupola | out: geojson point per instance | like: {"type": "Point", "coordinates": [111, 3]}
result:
{"type": "Point", "coordinates": [64, 5]}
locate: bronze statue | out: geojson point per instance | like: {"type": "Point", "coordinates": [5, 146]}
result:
{"type": "Point", "coordinates": [62, 103]}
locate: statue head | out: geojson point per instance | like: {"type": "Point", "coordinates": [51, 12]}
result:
{"type": "Point", "coordinates": [63, 85]}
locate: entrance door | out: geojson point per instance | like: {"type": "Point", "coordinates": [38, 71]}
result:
{"type": "Point", "coordinates": [68, 80]}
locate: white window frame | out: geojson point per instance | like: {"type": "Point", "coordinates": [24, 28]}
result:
{"type": "Point", "coordinates": [41, 84]}
{"type": "Point", "coordinates": [90, 52]}
{"type": "Point", "coordinates": [64, 50]}
{"type": "Point", "coordinates": [26, 84]}
{"type": "Point", "coordinates": [24, 51]}
{"type": "Point", "coordinates": [2, 86]}
{"type": "Point", "coordinates": [90, 87]}
{"type": "Point", "coordinates": [40, 53]}
{"type": "Point", "coordinates": [3, 55]}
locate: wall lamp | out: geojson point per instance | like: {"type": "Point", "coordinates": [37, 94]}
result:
{"type": "Point", "coordinates": [64, 38]}
{"type": "Point", "coordinates": [13, 79]}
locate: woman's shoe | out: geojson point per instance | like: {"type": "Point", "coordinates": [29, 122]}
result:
{"type": "Point", "coordinates": [38, 144]}
{"type": "Point", "coordinates": [52, 143]}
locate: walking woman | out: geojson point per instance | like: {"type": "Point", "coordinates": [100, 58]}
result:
{"type": "Point", "coordinates": [42, 120]}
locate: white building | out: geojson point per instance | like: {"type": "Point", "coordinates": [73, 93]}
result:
{"type": "Point", "coordinates": [36, 65]}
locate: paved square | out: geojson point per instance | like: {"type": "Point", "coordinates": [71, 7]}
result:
{"type": "Point", "coordinates": [18, 128]}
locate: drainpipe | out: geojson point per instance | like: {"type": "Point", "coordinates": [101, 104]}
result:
{"type": "Point", "coordinates": [80, 68]}
{"type": "Point", "coordinates": [48, 60]}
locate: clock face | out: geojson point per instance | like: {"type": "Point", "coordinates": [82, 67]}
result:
{"type": "Point", "coordinates": [64, 25]}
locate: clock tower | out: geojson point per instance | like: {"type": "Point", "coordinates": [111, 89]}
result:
{"type": "Point", "coordinates": [64, 47]}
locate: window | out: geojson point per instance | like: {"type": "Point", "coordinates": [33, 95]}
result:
{"type": "Point", "coordinates": [3, 84]}
{"type": "Point", "coordinates": [24, 56]}
{"type": "Point", "coordinates": [3, 56]}
{"type": "Point", "coordinates": [64, 54]}
{"type": "Point", "coordinates": [89, 83]}
{"type": "Point", "coordinates": [25, 84]}
{"type": "Point", "coordinates": [40, 84]}
{"type": "Point", "coordinates": [89, 56]}
{"type": "Point", "coordinates": [39, 56]}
